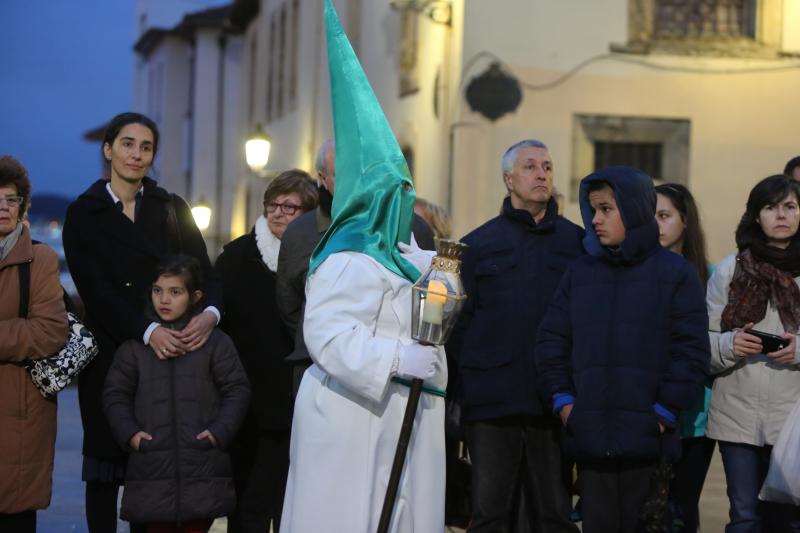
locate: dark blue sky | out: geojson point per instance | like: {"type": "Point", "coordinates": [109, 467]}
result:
{"type": "Point", "coordinates": [66, 66]}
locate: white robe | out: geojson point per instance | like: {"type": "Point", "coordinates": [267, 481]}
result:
{"type": "Point", "coordinates": [348, 413]}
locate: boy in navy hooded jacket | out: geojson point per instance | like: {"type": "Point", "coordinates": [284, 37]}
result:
{"type": "Point", "coordinates": [623, 348]}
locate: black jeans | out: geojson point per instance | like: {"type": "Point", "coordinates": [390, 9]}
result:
{"type": "Point", "coordinates": [101, 508]}
{"type": "Point", "coordinates": [516, 462]}
{"type": "Point", "coordinates": [260, 470]}
{"type": "Point", "coordinates": [690, 475]}
{"type": "Point", "coordinates": [612, 494]}
{"type": "Point", "coordinates": [24, 522]}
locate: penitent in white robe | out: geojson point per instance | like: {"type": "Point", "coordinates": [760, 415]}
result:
{"type": "Point", "coordinates": [348, 412]}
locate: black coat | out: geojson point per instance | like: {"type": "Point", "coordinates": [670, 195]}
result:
{"type": "Point", "coordinates": [626, 337]}
{"type": "Point", "coordinates": [176, 477]}
{"type": "Point", "coordinates": [262, 340]}
{"type": "Point", "coordinates": [112, 261]}
{"type": "Point", "coordinates": [510, 270]}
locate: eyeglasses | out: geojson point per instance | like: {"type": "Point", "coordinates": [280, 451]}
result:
{"type": "Point", "coordinates": [288, 209]}
{"type": "Point", "coordinates": [11, 201]}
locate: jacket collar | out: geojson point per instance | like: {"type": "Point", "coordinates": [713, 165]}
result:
{"type": "Point", "coordinates": [22, 252]}
{"type": "Point", "coordinates": [524, 217]}
{"type": "Point", "coordinates": [96, 197]}
{"type": "Point", "coordinates": [151, 219]}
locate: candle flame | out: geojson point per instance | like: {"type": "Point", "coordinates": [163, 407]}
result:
{"type": "Point", "coordinates": [437, 291]}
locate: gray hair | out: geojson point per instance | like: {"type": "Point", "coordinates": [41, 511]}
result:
{"type": "Point", "coordinates": [319, 162]}
{"type": "Point", "coordinates": [511, 154]}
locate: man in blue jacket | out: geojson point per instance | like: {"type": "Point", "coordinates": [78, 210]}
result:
{"type": "Point", "coordinates": [510, 270]}
{"type": "Point", "coordinates": [623, 349]}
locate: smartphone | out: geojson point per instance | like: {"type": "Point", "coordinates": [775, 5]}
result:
{"type": "Point", "coordinates": [769, 342]}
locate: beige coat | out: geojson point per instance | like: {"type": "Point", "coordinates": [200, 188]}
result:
{"type": "Point", "coordinates": [752, 396]}
{"type": "Point", "coordinates": [27, 420]}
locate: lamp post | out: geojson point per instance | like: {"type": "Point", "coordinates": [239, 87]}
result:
{"type": "Point", "coordinates": [256, 150]}
{"type": "Point", "coordinates": [201, 213]}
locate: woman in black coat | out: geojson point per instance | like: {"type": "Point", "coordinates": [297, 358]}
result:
{"type": "Point", "coordinates": [115, 234]}
{"type": "Point", "coordinates": [247, 267]}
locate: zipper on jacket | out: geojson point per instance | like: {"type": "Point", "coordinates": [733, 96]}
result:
{"type": "Point", "coordinates": [609, 452]}
{"type": "Point", "coordinates": [174, 414]}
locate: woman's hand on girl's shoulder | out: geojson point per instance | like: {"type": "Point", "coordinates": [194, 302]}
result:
{"type": "Point", "coordinates": [166, 343]}
{"type": "Point", "coordinates": [197, 331]}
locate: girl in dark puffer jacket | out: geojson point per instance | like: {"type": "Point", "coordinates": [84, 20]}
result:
{"type": "Point", "coordinates": [176, 415]}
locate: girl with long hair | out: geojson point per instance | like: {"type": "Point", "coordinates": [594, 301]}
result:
{"type": "Point", "coordinates": [681, 231]}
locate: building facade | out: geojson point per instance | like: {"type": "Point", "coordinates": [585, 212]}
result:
{"type": "Point", "coordinates": [694, 91]}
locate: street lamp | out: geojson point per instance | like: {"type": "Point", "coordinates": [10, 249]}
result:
{"type": "Point", "coordinates": [256, 150]}
{"type": "Point", "coordinates": [439, 11]}
{"type": "Point", "coordinates": [201, 213]}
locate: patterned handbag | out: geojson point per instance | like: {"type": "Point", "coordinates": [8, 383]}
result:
{"type": "Point", "coordinates": [54, 373]}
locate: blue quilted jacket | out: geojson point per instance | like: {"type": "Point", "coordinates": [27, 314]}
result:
{"type": "Point", "coordinates": [626, 336]}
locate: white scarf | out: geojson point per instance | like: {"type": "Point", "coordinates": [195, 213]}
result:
{"type": "Point", "coordinates": [268, 244]}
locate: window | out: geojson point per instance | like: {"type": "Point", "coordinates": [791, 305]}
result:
{"type": "Point", "coordinates": [155, 91]}
{"type": "Point", "coordinates": [735, 28]}
{"type": "Point", "coordinates": [354, 11]}
{"type": "Point", "coordinates": [251, 94]}
{"type": "Point", "coordinates": [658, 146]}
{"type": "Point", "coordinates": [277, 75]}
{"type": "Point", "coordinates": [271, 68]}
{"type": "Point", "coordinates": [293, 60]}
{"type": "Point", "coordinates": [646, 156]}
{"type": "Point", "coordinates": [281, 80]}
{"type": "Point", "coordinates": [409, 84]}
{"type": "Point", "coordinates": [704, 18]}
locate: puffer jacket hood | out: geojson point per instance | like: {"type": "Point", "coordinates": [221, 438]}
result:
{"type": "Point", "coordinates": [636, 199]}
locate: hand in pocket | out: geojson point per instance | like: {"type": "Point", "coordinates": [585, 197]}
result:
{"type": "Point", "coordinates": [206, 434]}
{"type": "Point", "coordinates": [137, 438]}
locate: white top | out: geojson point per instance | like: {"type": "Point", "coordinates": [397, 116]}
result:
{"type": "Point", "coordinates": [752, 396]}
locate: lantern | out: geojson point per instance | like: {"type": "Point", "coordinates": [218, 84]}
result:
{"type": "Point", "coordinates": [438, 296]}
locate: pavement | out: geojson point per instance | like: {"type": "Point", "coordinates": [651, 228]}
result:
{"type": "Point", "coordinates": [66, 511]}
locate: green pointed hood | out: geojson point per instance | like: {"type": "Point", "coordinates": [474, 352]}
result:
{"type": "Point", "coordinates": [372, 210]}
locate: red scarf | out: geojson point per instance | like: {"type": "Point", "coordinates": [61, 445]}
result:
{"type": "Point", "coordinates": [755, 283]}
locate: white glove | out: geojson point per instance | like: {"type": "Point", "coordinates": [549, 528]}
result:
{"type": "Point", "coordinates": [417, 256]}
{"type": "Point", "coordinates": [417, 361]}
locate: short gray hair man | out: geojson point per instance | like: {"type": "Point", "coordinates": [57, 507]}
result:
{"type": "Point", "coordinates": [511, 154]}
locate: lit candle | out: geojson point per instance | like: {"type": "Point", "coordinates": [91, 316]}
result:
{"type": "Point", "coordinates": [434, 303]}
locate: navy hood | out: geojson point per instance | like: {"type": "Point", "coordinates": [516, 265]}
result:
{"type": "Point", "coordinates": [636, 199]}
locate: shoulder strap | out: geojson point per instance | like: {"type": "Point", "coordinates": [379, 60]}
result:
{"type": "Point", "coordinates": [24, 271]}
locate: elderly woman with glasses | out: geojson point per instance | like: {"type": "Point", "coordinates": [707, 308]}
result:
{"type": "Point", "coordinates": [27, 420]}
{"type": "Point", "coordinates": [247, 267]}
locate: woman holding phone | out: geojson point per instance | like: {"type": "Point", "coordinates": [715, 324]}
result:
{"type": "Point", "coordinates": [755, 389]}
